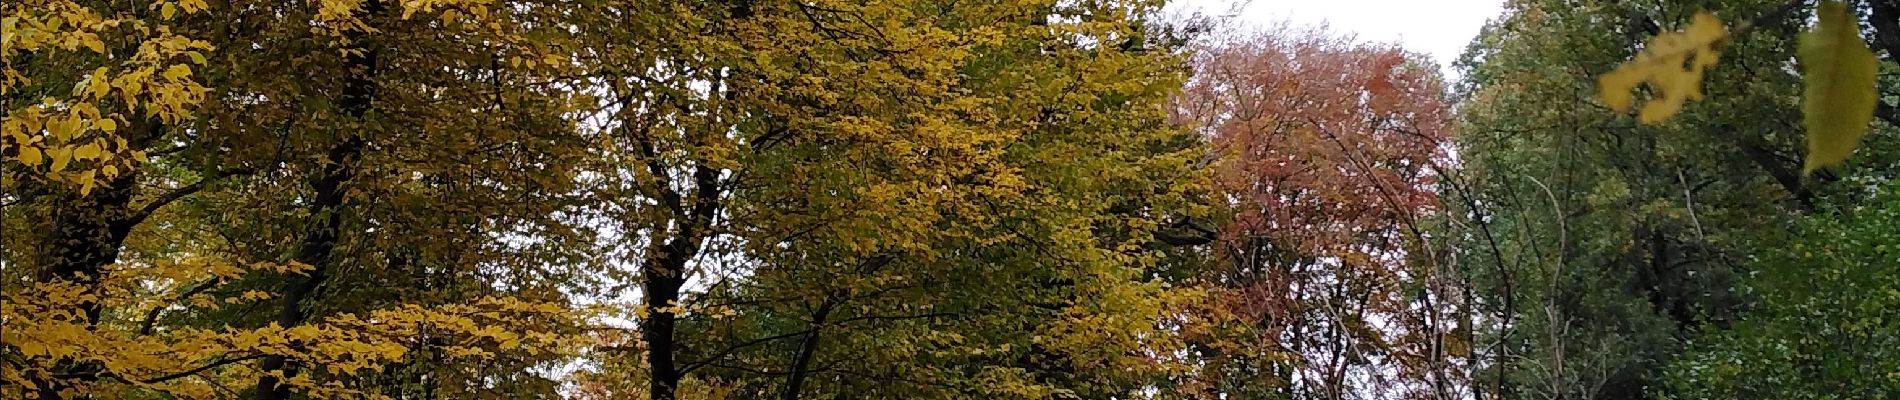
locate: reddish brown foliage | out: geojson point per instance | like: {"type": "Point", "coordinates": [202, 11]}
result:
{"type": "Point", "coordinates": [1326, 151]}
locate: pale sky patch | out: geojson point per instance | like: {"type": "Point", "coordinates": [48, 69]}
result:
{"type": "Point", "coordinates": [1439, 28]}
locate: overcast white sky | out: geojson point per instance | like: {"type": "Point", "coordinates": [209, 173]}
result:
{"type": "Point", "coordinates": [1437, 27]}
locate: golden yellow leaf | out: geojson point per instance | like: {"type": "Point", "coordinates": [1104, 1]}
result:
{"type": "Point", "coordinates": [1839, 72]}
{"type": "Point", "coordinates": [86, 182]}
{"type": "Point", "coordinates": [61, 156]}
{"type": "Point", "coordinates": [86, 152]}
{"type": "Point", "coordinates": [30, 156]}
{"type": "Point", "coordinates": [177, 72]}
{"type": "Point", "coordinates": [63, 128]}
{"type": "Point", "coordinates": [98, 85]}
{"type": "Point", "coordinates": [1671, 64]}
{"type": "Point", "coordinates": [93, 43]}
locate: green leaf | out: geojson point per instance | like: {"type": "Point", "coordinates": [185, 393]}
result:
{"type": "Point", "coordinates": [1838, 70]}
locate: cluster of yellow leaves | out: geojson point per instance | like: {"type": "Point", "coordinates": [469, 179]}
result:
{"type": "Point", "coordinates": [338, 20]}
{"type": "Point", "coordinates": [146, 286]}
{"type": "Point", "coordinates": [75, 138]}
{"type": "Point", "coordinates": [1838, 70]}
{"type": "Point", "coordinates": [1672, 64]}
{"type": "Point", "coordinates": [676, 308]}
{"type": "Point", "coordinates": [44, 329]}
{"type": "Point", "coordinates": [341, 20]}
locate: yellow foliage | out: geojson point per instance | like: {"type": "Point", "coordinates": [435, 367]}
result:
{"type": "Point", "coordinates": [1671, 64]}
{"type": "Point", "coordinates": [85, 123]}
{"type": "Point", "coordinates": [46, 331]}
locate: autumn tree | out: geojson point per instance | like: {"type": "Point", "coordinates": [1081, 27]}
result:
{"type": "Point", "coordinates": [938, 199]}
{"type": "Point", "coordinates": [1327, 155]}
{"type": "Point", "coordinates": [153, 225]}
{"type": "Point", "coordinates": [906, 199]}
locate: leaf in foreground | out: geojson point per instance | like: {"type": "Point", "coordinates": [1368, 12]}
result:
{"type": "Point", "coordinates": [1672, 64]}
{"type": "Point", "coordinates": [1838, 70]}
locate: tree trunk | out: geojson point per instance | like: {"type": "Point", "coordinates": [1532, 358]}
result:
{"type": "Point", "coordinates": [801, 364]}
{"type": "Point", "coordinates": [320, 236]}
{"type": "Point", "coordinates": [661, 290]}
{"type": "Point", "coordinates": [664, 272]}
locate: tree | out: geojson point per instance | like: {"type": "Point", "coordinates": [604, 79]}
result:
{"type": "Point", "coordinates": [1602, 242]}
{"type": "Point", "coordinates": [144, 284]}
{"type": "Point", "coordinates": [1327, 152]}
{"type": "Point", "coordinates": [1821, 322]}
{"type": "Point", "coordinates": [867, 174]}
{"type": "Point", "coordinates": [938, 199]}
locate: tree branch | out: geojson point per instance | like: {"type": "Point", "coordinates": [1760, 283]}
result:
{"type": "Point", "coordinates": [179, 193]}
{"type": "Point", "coordinates": [151, 317]}
{"type": "Point", "coordinates": [894, 317]}
{"type": "Point", "coordinates": [1788, 177]}
{"type": "Point", "coordinates": [690, 366]}
{"type": "Point", "coordinates": [201, 368]}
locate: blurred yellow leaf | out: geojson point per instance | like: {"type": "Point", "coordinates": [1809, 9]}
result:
{"type": "Point", "coordinates": [1672, 64]}
{"type": "Point", "coordinates": [177, 72]}
{"type": "Point", "coordinates": [93, 43]}
{"type": "Point", "coordinates": [1839, 72]}
{"type": "Point", "coordinates": [86, 182]}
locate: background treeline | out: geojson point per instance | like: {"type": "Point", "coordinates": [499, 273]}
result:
{"type": "Point", "coordinates": [1032, 199]}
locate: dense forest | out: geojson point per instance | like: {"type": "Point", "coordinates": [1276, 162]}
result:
{"type": "Point", "coordinates": [898, 199]}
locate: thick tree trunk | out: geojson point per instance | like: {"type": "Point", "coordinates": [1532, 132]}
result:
{"type": "Point", "coordinates": [87, 234]}
{"type": "Point", "coordinates": [1885, 18]}
{"type": "Point", "coordinates": [664, 278]}
{"type": "Point", "coordinates": [1884, 15]}
{"type": "Point", "coordinates": [318, 244]}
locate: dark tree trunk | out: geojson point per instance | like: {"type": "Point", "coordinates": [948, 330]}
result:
{"type": "Point", "coordinates": [664, 272]}
{"type": "Point", "coordinates": [326, 207]}
{"type": "Point", "coordinates": [807, 349]}
{"type": "Point", "coordinates": [662, 287]}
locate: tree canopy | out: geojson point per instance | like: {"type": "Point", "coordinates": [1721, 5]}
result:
{"type": "Point", "coordinates": [1021, 199]}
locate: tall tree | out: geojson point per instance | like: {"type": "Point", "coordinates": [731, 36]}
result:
{"type": "Point", "coordinates": [132, 296]}
{"type": "Point", "coordinates": [811, 190]}
{"type": "Point", "coordinates": [1327, 154]}
{"type": "Point", "coordinates": [1600, 243]}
